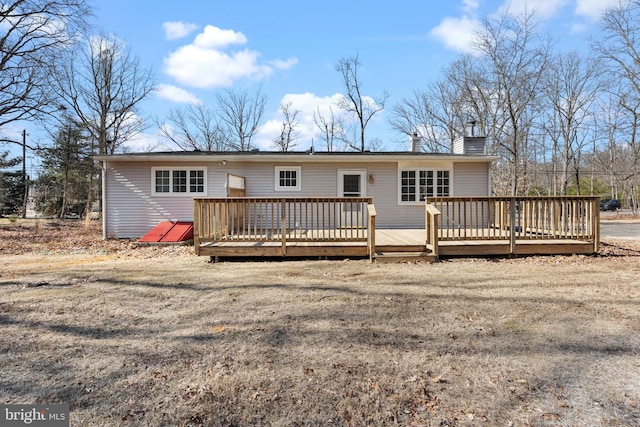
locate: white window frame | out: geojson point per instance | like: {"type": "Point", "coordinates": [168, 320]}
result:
{"type": "Point", "coordinates": [171, 170]}
{"type": "Point", "coordinates": [416, 185]}
{"type": "Point", "coordinates": [296, 169]}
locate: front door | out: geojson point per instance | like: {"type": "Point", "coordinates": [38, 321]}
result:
{"type": "Point", "coordinates": [351, 183]}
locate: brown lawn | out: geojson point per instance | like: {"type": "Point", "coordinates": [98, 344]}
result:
{"type": "Point", "coordinates": [137, 336]}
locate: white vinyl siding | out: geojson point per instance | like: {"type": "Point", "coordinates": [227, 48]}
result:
{"type": "Point", "coordinates": [132, 208]}
{"type": "Point", "coordinates": [471, 179]}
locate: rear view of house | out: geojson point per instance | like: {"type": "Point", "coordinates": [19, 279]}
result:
{"type": "Point", "coordinates": [141, 190]}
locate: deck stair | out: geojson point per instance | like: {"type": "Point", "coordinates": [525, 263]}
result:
{"type": "Point", "coordinates": [408, 253]}
{"type": "Point", "coordinates": [399, 257]}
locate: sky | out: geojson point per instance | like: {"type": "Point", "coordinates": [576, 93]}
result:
{"type": "Point", "coordinates": [289, 50]}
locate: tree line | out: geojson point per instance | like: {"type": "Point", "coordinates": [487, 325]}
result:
{"type": "Point", "coordinates": [558, 122]}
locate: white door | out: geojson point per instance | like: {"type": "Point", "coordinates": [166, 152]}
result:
{"type": "Point", "coordinates": [351, 183]}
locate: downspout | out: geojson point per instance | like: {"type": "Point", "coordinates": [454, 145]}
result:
{"type": "Point", "coordinates": [103, 168]}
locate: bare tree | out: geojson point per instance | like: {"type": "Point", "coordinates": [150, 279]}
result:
{"type": "Point", "coordinates": [609, 119]}
{"type": "Point", "coordinates": [103, 86]}
{"type": "Point", "coordinates": [515, 59]}
{"type": "Point", "coordinates": [435, 115]}
{"type": "Point", "coordinates": [572, 87]}
{"type": "Point", "coordinates": [354, 101]}
{"type": "Point", "coordinates": [331, 128]}
{"type": "Point", "coordinates": [194, 128]}
{"type": "Point", "coordinates": [240, 116]}
{"type": "Point", "coordinates": [34, 33]}
{"type": "Point", "coordinates": [375, 144]}
{"type": "Point", "coordinates": [289, 133]}
{"type": "Point", "coordinates": [618, 46]}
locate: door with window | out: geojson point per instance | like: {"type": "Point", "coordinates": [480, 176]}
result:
{"type": "Point", "coordinates": [351, 183]}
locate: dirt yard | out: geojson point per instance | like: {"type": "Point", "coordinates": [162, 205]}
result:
{"type": "Point", "coordinates": [155, 336]}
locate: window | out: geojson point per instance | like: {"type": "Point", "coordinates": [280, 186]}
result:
{"type": "Point", "coordinates": [179, 181]}
{"type": "Point", "coordinates": [196, 181]}
{"type": "Point", "coordinates": [408, 185]}
{"type": "Point", "coordinates": [418, 184]}
{"type": "Point", "coordinates": [288, 178]}
{"type": "Point", "coordinates": [163, 182]}
{"type": "Point", "coordinates": [442, 187]}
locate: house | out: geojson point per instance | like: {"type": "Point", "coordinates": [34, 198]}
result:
{"type": "Point", "coordinates": [141, 190]}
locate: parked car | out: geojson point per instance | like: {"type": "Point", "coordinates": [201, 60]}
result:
{"type": "Point", "coordinates": [610, 205]}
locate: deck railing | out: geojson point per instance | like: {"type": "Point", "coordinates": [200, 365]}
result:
{"type": "Point", "coordinates": [288, 219]}
{"type": "Point", "coordinates": [517, 218]}
{"type": "Point", "coordinates": [432, 219]}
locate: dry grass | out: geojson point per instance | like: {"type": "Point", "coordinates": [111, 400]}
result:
{"type": "Point", "coordinates": [156, 336]}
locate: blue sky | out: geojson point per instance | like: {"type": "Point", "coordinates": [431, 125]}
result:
{"type": "Point", "coordinates": [289, 49]}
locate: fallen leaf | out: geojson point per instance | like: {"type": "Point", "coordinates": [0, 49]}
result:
{"type": "Point", "coordinates": [438, 379]}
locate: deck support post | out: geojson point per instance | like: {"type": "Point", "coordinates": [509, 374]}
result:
{"type": "Point", "coordinates": [512, 228]}
{"type": "Point", "coordinates": [595, 224]}
{"type": "Point", "coordinates": [432, 228]}
{"type": "Point", "coordinates": [371, 231]}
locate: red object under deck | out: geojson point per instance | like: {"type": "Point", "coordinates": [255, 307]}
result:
{"type": "Point", "coordinates": [169, 232]}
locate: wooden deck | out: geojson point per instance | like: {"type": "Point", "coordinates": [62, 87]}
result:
{"type": "Point", "coordinates": [395, 241]}
{"type": "Point", "coordinates": [243, 227]}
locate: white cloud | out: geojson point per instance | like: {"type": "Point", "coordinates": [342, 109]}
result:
{"type": "Point", "coordinates": [206, 64]}
{"type": "Point", "coordinates": [593, 9]}
{"type": "Point", "coordinates": [544, 8]}
{"type": "Point", "coordinates": [177, 30]}
{"type": "Point", "coordinates": [457, 33]}
{"type": "Point", "coordinates": [176, 94]}
{"type": "Point", "coordinates": [470, 6]}
{"type": "Point", "coordinates": [577, 28]}
{"type": "Point", "coordinates": [217, 38]}
{"type": "Point", "coordinates": [100, 43]}
{"type": "Point", "coordinates": [194, 66]}
{"type": "Point", "coordinates": [280, 64]}
{"type": "Point", "coordinates": [143, 142]}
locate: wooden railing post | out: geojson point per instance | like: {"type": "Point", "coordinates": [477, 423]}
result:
{"type": "Point", "coordinates": [512, 226]}
{"type": "Point", "coordinates": [432, 228]}
{"type": "Point", "coordinates": [595, 223]}
{"type": "Point", "coordinates": [371, 231]}
{"type": "Point", "coordinates": [283, 225]}
{"type": "Point", "coordinates": [197, 219]}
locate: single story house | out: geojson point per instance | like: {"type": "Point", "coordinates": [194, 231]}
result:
{"type": "Point", "coordinates": [141, 190]}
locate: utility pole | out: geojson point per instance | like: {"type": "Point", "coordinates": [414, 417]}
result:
{"type": "Point", "coordinates": [25, 181]}
{"type": "Point", "coordinates": [24, 146]}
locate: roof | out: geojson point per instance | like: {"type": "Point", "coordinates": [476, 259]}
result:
{"type": "Point", "coordinates": [298, 156]}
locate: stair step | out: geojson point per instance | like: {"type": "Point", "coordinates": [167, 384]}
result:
{"type": "Point", "coordinates": [397, 257]}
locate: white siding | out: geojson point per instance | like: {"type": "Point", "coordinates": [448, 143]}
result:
{"type": "Point", "coordinates": [131, 210]}
{"type": "Point", "coordinates": [471, 179]}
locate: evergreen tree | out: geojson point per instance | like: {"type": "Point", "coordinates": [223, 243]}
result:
{"type": "Point", "coordinates": [64, 186]}
{"type": "Point", "coordinates": [11, 186]}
